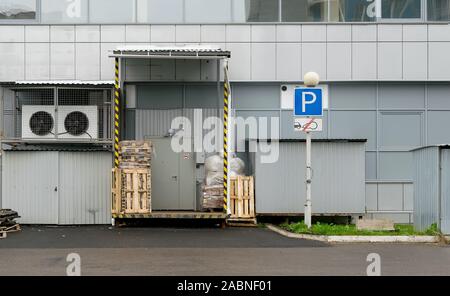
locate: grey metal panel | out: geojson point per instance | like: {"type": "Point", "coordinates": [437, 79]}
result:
{"type": "Point", "coordinates": [371, 197]}
{"type": "Point", "coordinates": [349, 96]}
{"type": "Point", "coordinates": [437, 123]}
{"type": "Point", "coordinates": [395, 166]}
{"type": "Point", "coordinates": [439, 96]}
{"type": "Point", "coordinates": [401, 130]}
{"type": "Point", "coordinates": [263, 62]}
{"type": "Point", "coordinates": [390, 197]}
{"type": "Point", "coordinates": [84, 188]}
{"type": "Point", "coordinates": [29, 180]}
{"type": "Point", "coordinates": [371, 165]}
{"type": "Point", "coordinates": [402, 96]}
{"type": "Point", "coordinates": [155, 123]}
{"type": "Point", "coordinates": [354, 125]}
{"type": "Point", "coordinates": [240, 64]}
{"type": "Point", "coordinates": [288, 61]}
{"type": "Point", "coordinates": [280, 186]}
{"type": "Point", "coordinates": [201, 96]}
{"type": "Point", "coordinates": [364, 61]}
{"type": "Point", "coordinates": [426, 187]}
{"type": "Point", "coordinates": [445, 191]}
{"type": "Point", "coordinates": [261, 96]}
{"type": "Point", "coordinates": [159, 96]}
{"type": "Point", "coordinates": [314, 58]}
{"type": "Point", "coordinates": [130, 124]}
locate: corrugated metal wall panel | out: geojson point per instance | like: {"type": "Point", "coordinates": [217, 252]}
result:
{"type": "Point", "coordinates": [29, 181]}
{"type": "Point", "coordinates": [338, 179]}
{"type": "Point", "coordinates": [154, 123]}
{"type": "Point", "coordinates": [426, 187]}
{"type": "Point", "coordinates": [58, 187]}
{"type": "Point", "coordinates": [445, 191]}
{"type": "Point", "coordinates": [85, 185]}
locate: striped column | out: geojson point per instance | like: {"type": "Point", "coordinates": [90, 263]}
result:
{"type": "Point", "coordinates": [226, 105]}
{"type": "Point", "coordinates": [116, 114]}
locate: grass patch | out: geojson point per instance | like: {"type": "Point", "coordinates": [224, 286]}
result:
{"type": "Point", "coordinates": [339, 229]}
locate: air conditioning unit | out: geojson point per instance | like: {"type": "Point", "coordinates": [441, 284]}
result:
{"type": "Point", "coordinates": [38, 122]}
{"type": "Point", "coordinates": [77, 122]}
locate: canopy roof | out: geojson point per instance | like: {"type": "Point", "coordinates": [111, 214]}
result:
{"type": "Point", "coordinates": [206, 52]}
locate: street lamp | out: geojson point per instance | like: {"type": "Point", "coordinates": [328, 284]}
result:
{"type": "Point", "coordinates": [311, 79]}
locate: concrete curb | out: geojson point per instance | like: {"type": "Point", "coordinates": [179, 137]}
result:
{"type": "Point", "coordinates": [358, 238]}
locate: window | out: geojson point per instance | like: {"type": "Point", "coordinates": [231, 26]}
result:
{"type": "Point", "coordinates": [438, 10]}
{"type": "Point", "coordinates": [255, 10]}
{"type": "Point", "coordinates": [112, 11]}
{"type": "Point", "coordinates": [353, 10]}
{"type": "Point", "coordinates": [209, 11]}
{"type": "Point", "coordinates": [18, 9]}
{"type": "Point", "coordinates": [304, 11]}
{"type": "Point", "coordinates": [401, 9]}
{"type": "Point", "coordinates": [69, 11]}
{"type": "Point", "coordinates": [160, 11]}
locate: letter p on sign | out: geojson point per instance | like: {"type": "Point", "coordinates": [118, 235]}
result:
{"type": "Point", "coordinates": [308, 102]}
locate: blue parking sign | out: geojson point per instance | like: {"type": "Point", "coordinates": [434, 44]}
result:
{"type": "Point", "coordinates": [308, 102]}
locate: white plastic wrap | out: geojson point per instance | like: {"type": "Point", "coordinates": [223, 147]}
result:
{"type": "Point", "coordinates": [214, 163]}
{"type": "Point", "coordinates": [214, 178]}
{"type": "Point", "coordinates": [237, 166]}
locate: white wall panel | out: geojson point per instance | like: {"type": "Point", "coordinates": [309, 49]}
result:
{"type": "Point", "coordinates": [364, 33]}
{"type": "Point", "coordinates": [112, 33]}
{"type": "Point", "coordinates": [162, 33]}
{"type": "Point", "coordinates": [289, 62]}
{"type": "Point", "coordinates": [187, 33]}
{"type": "Point", "coordinates": [107, 63]}
{"type": "Point", "coordinates": [62, 34]}
{"type": "Point", "coordinates": [37, 56]}
{"type": "Point", "coordinates": [439, 61]}
{"type": "Point", "coordinates": [239, 64]}
{"type": "Point", "coordinates": [12, 59]}
{"type": "Point", "coordinates": [439, 32]}
{"type": "Point", "coordinates": [263, 33]}
{"type": "Point", "coordinates": [364, 61]}
{"type": "Point", "coordinates": [263, 62]}
{"type": "Point", "coordinates": [390, 61]}
{"type": "Point", "coordinates": [212, 33]}
{"type": "Point", "coordinates": [415, 33]}
{"type": "Point", "coordinates": [339, 61]}
{"type": "Point", "coordinates": [339, 33]}
{"type": "Point", "coordinates": [88, 61]}
{"type": "Point", "coordinates": [314, 56]}
{"type": "Point", "coordinates": [415, 56]}
{"type": "Point", "coordinates": [87, 33]}
{"type": "Point", "coordinates": [390, 33]}
{"type": "Point", "coordinates": [238, 33]}
{"type": "Point", "coordinates": [137, 33]}
{"type": "Point", "coordinates": [12, 33]}
{"type": "Point", "coordinates": [62, 61]}
{"type": "Point", "coordinates": [314, 33]}
{"type": "Point", "coordinates": [37, 34]}
{"type": "Point", "coordinates": [289, 33]}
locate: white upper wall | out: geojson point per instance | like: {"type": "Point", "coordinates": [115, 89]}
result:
{"type": "Point", "coordinates": [275, 52]}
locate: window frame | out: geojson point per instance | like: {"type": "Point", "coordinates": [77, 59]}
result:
{"type": "Point", "coordinates": [421, 19]}
{"type": "Point", "coordinates": [36, 20]}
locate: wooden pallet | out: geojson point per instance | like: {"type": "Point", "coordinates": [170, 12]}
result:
{"type": "Point", "coordinates": [242, 198]}
{"type": "Point", "coordinates": [131, 191]}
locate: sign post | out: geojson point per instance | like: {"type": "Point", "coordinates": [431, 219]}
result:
{"type": "Point", "coordinates": [308, 103]}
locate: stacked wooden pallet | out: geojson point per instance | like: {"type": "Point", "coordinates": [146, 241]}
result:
{"type": "Point", "coordinates": [131, 182]}
{"type": "Point", "coordinates": [242, 200]}
{"type": "Point", "coordinates": [7, 223]}
{"type": "Point", "coordinates": [213, 197]}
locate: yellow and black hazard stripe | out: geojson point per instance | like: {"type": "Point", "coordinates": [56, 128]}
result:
{"type": "Point", "coordinates": [226, 108]}
{"type": "Point", "coordinates": [116, 114]}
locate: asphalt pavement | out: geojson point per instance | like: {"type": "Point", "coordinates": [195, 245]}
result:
{"type": "Point", "coordinates": [205, 251]}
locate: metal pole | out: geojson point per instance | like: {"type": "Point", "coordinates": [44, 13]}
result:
{"type": "Point", "coordinates": [308, 204]}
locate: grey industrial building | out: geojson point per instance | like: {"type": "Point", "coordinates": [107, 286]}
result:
{"type": "Point", "coordinates": [385, 65]}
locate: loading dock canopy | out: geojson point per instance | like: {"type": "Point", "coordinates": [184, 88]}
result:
{"type": "Point", "coordinates": [206, 52]}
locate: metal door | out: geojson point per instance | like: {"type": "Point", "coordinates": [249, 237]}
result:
{"type": "Point", "coordinates": [173, 182]}
{"type": "Point", "coordinates": [30, 186]}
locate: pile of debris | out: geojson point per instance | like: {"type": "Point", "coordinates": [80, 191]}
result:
{"type": "Point", "coordinates": [135, 154]}
{"type": "Point", "coordinates": [7, 223]}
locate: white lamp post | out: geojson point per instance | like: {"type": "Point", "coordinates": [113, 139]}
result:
{"type": "Point", "coordinates": [311, 79]}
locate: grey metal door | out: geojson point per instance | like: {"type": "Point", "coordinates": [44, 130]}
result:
{"type": "Point", "coordinates": [30, 186]}
{"type": "Point", "coordinates": [173, 182]}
